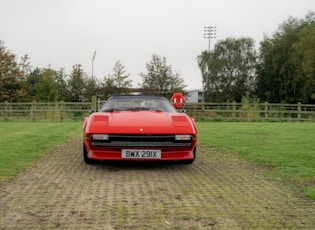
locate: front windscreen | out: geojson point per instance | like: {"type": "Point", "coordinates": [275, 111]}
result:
{"type": "Point", "coordinates": [138, 102]}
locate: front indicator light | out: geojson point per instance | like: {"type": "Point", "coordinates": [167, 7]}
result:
{"type": "Point", "coordinates": [182, 137]}
{"type": "Point", "coordinates": [99, 137]}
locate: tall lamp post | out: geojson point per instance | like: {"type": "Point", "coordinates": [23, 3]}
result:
{"type": "Point", "coordinates": [210, 33]}
{"type": "Point", "coordinates": [93, 61]}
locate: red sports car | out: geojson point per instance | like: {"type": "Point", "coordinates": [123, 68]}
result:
{"type": "Point", "coordinates": [139, 128]}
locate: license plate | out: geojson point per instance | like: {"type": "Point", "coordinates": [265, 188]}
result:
{"type": "Point", "coordinates": [141, 153]}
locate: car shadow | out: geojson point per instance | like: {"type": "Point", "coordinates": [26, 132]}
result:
{"type": "Point", "coordinates": [138, 165]}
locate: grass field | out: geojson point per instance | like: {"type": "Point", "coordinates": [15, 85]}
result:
{"type": "Point", "coordinates": [21, 143]}
{"type": "Point", "coordinates": [288, 149]}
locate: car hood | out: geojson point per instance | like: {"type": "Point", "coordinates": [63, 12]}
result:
{"type": "Point", "coordinates": [140, 122]}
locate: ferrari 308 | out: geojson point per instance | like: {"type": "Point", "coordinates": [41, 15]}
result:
{"type": "Point", "coordinates": [139, 128]}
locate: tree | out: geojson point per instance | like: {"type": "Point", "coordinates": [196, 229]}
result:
{"type": "Point", "coordinates": [107, 87]}
{"type": "Point", "coordinates": [92, 87]}
{"type": "Point", "coordinates": [228, 72]}
{"type": "Point", "coordinates": [45, 85]}
{"type": "Point", "coordinates": [286, 69]}
{"type": "Point", "coordinates": [305, 62]}
{"type": "Point", "coordinates": [11, 77]}
{"type": "Point", "coordinates": [30, 83]}
{"type": "Point", "coordinates": [121, 83]}
{"type": "Point", "coordinates": [76, 85]}
{"type": "Point", "coordinates": [115, 83]}
{"type": "Point", "coordinates": [204, 61]}
{"type": "Point", "coordinates": [25, 66]}
{"type": "Point", "coordinates": [160, 78]}
{"type": "Point", "coordinates": [61, 84]}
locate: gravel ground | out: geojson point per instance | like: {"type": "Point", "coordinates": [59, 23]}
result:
{"type": "Point", "coordinates": [218, 191]}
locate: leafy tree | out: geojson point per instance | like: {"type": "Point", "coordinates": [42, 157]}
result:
{"type": "Point", "coordinates": [45, 85]}
{"type": "Point", "coordinates": [30, 83]}
{"type": "Point", "coordinates": [107, 87]}
{"type": "Point", "coordinates": [25, 66]}
{"type": "Point", "coordinates": [160, 78]}
{"type": "Point", "coordinates": [11, 76]}
{"type": "Point", "coordinates": [120, 79]}
{"type": "Point", "coordinates": [92, 87]}
{"type": "Point", "coordinates": [76, 85]}
{"type": "Point", "coordinates": [228, 72]}
{"type": "Point", "coordinates": [286, 69]}
{"type": "Point", "coordinates": [115, 83]}
{"type": "Point", "coordinates": [304, 61]}
{"type": "Point", "coordinates": [204, 65]}
{"type": "Point", "coordinates": [61, 84]}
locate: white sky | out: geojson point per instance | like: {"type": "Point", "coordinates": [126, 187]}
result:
{"type": "Point", "coordinates": [63, 33]}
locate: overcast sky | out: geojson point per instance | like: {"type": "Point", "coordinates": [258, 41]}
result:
{"type": "Point", "coordinates": [62, 33]}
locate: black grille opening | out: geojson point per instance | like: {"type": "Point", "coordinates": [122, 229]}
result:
{"type": "Point", "coordinates": [142, 140]}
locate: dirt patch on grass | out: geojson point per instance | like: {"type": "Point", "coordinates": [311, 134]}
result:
{"type": "Point", "coordinates": [218, 191]}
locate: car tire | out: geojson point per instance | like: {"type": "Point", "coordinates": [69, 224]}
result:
{"type": "Point", "coordinates": [86, 159]}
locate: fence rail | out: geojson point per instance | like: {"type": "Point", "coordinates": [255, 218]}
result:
{"type": "Point", "coordinates": [61, 111]}
{"type": "Point", "coordinates": [40, 111]}
{"type": "Point", "coordinates": [251, 111]}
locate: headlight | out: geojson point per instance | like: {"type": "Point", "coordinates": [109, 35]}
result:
{"type": "Point", "coordinates": [99, 137]}
{"type": "Point", "coordinates": [182, 137]}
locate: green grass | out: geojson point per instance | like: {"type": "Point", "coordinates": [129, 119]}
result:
{"type": "Point", "coordinates": [287, 148]}
{"type": "Point", "coordinates": [21, 143]}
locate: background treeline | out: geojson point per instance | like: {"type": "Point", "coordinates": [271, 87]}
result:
{"type": "Point", "coordinates": [282, 69]}
{"type": "Point", "coordinates": [20, 83]}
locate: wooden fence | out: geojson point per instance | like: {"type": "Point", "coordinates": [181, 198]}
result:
{"type": "Point", "coordinates": [246, 112]}
{"type": "Point", "coordinates": [62, 111]}
{"type": "Point", "coordinates": [40, 111]}
{"type": "Point", "coordinates": [251, 111]}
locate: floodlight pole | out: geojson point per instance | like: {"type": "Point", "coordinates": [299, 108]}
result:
{"type": "Point", "coordinates": [210, 33]}
{"type": "Point", "coordinates": [93, 62]}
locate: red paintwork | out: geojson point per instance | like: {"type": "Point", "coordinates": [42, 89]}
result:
{"type": "Point", "coordinates": [138, 122]}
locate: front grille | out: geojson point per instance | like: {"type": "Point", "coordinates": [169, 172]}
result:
{"type": "Point", "coordinates": [142, 141]}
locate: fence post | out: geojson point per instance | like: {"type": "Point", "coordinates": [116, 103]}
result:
{"type": "Point", "coordinates": [234, 110]}
{"type": "Point", "coordinates": [93, 105]}
{"type": "Point", "coordinates": [6, 107]}
{"type": "Point", "coordinates": [34, 110]}
{"type": "Point", "coordinates": [98, 104]}
{"type": "Point", "coordinates": [203, 106]}
{"type": "Point", "coordinates": [266, 110]}
{"type": "Point", "coordinates": [299, 110]}
{"type": "Point", "coordinates": [61, 110]}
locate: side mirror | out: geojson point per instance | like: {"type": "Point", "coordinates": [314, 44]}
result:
{"type": "Point", "coordinates": [183, 111]}
{"type": "Point", "coordinates": [91, 111]}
